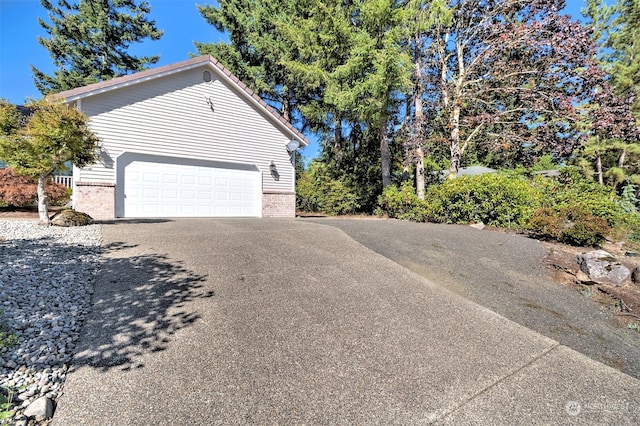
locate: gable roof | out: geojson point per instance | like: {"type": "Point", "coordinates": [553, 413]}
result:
{"type": "Point", "coordinates": [151, 74]}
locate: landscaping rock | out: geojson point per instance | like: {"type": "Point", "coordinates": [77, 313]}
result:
{"type": "Point", "coordinates": [40, 409]}
{"type": "Point", "coordinates": [603, 268]}
{"type": "Point", "coordinates": [479, 225]}
{"type": "Point", "coordinates": [71, 218]}
{"type": "Point", "coordinates": [47, 274]}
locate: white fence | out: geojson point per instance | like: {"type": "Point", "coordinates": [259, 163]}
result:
{"type": "Point", "coordinates": [64, 180]}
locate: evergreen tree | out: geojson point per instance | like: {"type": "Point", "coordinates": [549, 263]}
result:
{"type": "Point", "coordinates": [88, 41]}
{"type": "Point", "coordinates": [256, 49]}
{"type": "Point", "coordinates": [338, 64]}
{"type": "Point", "coordinates": [612, 148]}
{"type": "Point", "coordinates": [617, 34]}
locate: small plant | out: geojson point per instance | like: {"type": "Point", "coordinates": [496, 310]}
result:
{"type": "Point", "coordinates": [618, 306]}
{"type": "Point", "coordinates": [402, 203]}
{"type": "Point", "coordinates": [587, 291]}
{"type": "Point", "coordinates": [6, 402]}
{"type": "Point", "coordinates": [7, 337]}
{"type": "Point", "coordinates": [317, 191]}
{"type": "Point", "coordinates": [634, 326]}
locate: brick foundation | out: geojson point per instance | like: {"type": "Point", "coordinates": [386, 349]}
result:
{"type": "Point", "coordinates": [97, 199]}
{"type": "Point", "coordinates": [279, 204]}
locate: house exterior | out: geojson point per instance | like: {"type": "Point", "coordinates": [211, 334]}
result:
{"type": "Point", "coordinates": [184, 140]}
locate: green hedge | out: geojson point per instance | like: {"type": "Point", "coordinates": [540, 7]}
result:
{"type": "Point", "coordinates": [402, 203]}
{"type": "Point", "coordinates": [494, 199]}
{"type": "Point", "coordinates": [570, 208]}
{"type": "Point", "coordinates": [316, 191]}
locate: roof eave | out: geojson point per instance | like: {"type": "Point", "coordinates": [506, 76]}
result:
{"type": "Point", "coordinates": [147, 75]}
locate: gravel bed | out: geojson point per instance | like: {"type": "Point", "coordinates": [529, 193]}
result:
{"type": "Point", "coordinates": [46, 281]}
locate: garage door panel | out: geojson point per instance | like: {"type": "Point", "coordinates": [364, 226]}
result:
{"type": "Point", "coordinates": [187, 195]}
{"type": "Point", "coordinates": [170, 178]}
{"type": "Point", "coordinates": [149, 177]}
{"type": "Point", "coordinates": [205, 180]}
{"type": "Point", "coordinates": [205, 196]}
{"type": "Point", "coordinates": [154, 189]}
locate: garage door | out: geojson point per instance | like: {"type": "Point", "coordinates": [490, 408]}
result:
{"type": "Point", "coordinates": [157, 189]}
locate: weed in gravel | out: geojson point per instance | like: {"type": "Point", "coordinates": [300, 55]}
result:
{"type": "Point", "coordinates": [7, 337]}
{"type": "Point", "coordinates": [587, 291]}
{"type": "Point", "coordinates": [6, 401]}
{"type": "Point", "coordinates": [618, 306]}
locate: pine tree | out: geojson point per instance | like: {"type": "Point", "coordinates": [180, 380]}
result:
{"type": "Point", "coordinates": [256, 49]}
{"type": "Point", "coordinates": [614, 154]}
{"type": "Point", "coordinates": [616, 31]}
{"type": "Point", "coordinates": [88, 41]}
{"type": "Point", "coordinates": [346, 67]}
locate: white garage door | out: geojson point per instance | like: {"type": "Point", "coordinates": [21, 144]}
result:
{"type": "Point", "coordinates": [154, 189]}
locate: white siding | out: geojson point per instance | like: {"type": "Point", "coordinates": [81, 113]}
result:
{"type": "Point", "coordinates": [170, 116]}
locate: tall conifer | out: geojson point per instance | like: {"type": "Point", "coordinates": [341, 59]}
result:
{"type": "Point", "coordinates": [88, 41]}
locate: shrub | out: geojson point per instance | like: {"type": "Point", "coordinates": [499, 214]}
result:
{"type": "Point", "coordinates": [572, 188]}
{"type": "Point", "coordinates": [573, 225]}
{"type": "Point", "coordinates": [316, 191]}
{"type": "Point", "coordinates": [306, 193]}
{"type": "Point", "coordinates": [402, 203]}
{"type": "Point", "coordinates": [19, 191]}
{"type": "Point", "coordinates": [496, 199]}
{"type": "Point", "coordinates": [337, 198]}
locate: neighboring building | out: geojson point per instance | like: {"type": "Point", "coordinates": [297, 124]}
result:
{"type": "Point", "coordinates": [184, 140]}
{"type": "Point", "coordinates": [467, 171]}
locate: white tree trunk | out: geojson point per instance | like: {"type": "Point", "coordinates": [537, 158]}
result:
{"type": "Point", "coordinates": [455, 142]}
{"type": "Point", "coordinates": [599, 168]}
{"type": "Point", "coordinates": [456, 151]}
{"type": "Point", "coordinates": [43, 208]}
{"type": "Point", "coordinates": [417, 131]}
{"type": "Point", "coordinates": [420, 184]}
{"type": "Point", "coordinates": [385, 154]}
{"type": "Point", "coordinates": [621, 159]}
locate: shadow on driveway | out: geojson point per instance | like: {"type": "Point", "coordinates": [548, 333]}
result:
{"type": "Point", "coordinates": [139, 303]}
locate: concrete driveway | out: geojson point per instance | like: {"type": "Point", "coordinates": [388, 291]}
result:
{"type": "Point", "coordinates": [506, 274]}
{"type": "Point", "coordinates": [287, 322]}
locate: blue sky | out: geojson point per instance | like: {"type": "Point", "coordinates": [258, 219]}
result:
{"type": "Point", "coordinates": [179, 19]}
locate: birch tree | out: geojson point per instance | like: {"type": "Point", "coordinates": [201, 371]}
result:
{"type": "Point", "coordinates": [506, 76]}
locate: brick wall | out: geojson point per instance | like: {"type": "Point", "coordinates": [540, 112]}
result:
{"type": "Point", "coordinates": [97, 199]}
{"type": "Point", "coordinates": [278, 204]}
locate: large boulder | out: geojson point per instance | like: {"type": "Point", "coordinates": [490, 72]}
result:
{"type": "Point", "coordinates": [603, 268]}
{"type": "Point", "coordinates": [71, 218]}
